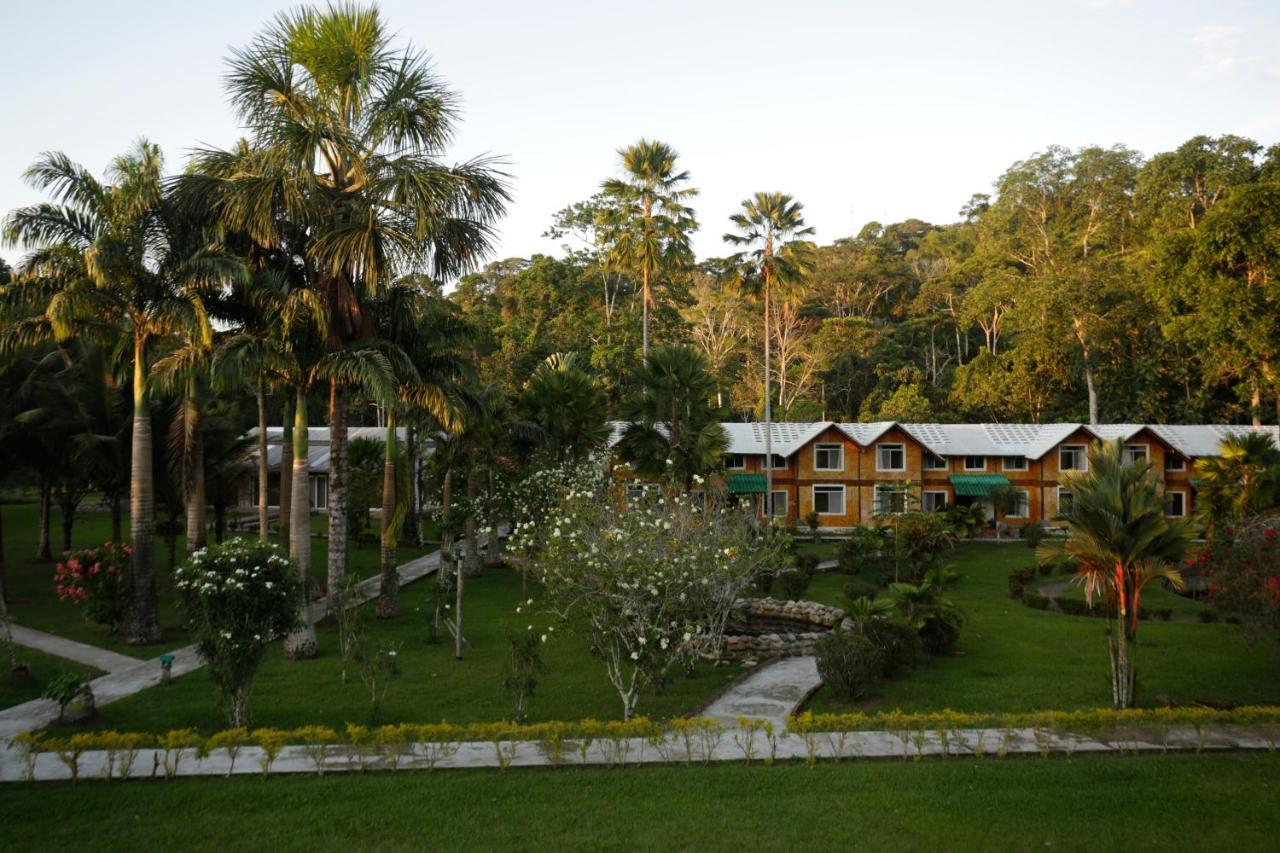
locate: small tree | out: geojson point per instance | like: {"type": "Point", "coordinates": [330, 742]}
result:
{"type": "Point", "coordinates": [1004, 500]}
{"type": "Point", "coordinates": [96, 579]}
{"type": "Point", "coordinates": [1244, 574]}
{"type": "Point", "coordinates": [237, 597]}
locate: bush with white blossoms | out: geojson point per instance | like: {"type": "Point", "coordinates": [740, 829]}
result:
{"type": "Point", "coordinates": [237, 597]}
{"type": "Point", "coordinates": [653, 582]}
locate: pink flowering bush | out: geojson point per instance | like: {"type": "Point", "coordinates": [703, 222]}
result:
{"type": "Point", "coordinates": [1243, 566]}
{"type": "Point", "coordinates": [97, 580]}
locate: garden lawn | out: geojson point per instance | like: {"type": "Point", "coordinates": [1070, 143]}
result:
{"type": "Point", "coordinates": [33, 602]}
{"type": "Point", "coordinates": [1172, 802]}
{"type": "Point", "coordinates": [431, 685]}
{"type": "Point", "coordinates": [1015, 658]}
{"type": "Point", "coordinates": [44, 668]}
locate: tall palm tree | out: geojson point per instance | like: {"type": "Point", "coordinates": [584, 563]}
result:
{"type": "Point", "coordinates": [118, 253]}
{"type": "Point", "coordinates": [646, 223]}
{"type": "Point", "coordinates": [770, 227]}
{"type": "Point", "coordinates": [1120, 540]}
{"type": "Point", "coordinates": [567, 404]}
{"type": "Point", "coordinates": [1243, 480]}
{"type": "Point", "coordinates": [344, 165]}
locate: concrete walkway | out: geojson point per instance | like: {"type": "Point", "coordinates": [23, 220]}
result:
{"type": "Point", "coordinates": [772, 692]}
{"type": "Point", "coordinates": [132, 675]}
{"type": "Point", "coordinates": [52, 644]}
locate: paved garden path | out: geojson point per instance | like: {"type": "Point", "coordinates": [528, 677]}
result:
{"type": "Point", "coordinates": [128, 678]}
{"type": "Point", "coordinates": [103, 659]}
{"type": "Point", "coordinates": [769, 693]}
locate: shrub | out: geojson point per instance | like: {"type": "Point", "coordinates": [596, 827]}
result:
{"type": "Point", "coordinates": [1243, 567]}
{"type": "Point", "coordinates": [1033, 535]}
{"type": "Point", "coordinates": [68, 688]}
{"type": "Point", "coordinates": [237, 596]}
{"type": "Point", "coordinates": [864, 551]}
{"type": "Point", "coordinates": [96, 578]}
{"type": "Point", "coordinates": [940, 636]}
{"type": "Point", "coordinates": [901, 646]}
{"type": "Point", "coordinates": [1207, 615]}
{"type": "Point", "coordinates": [807, 563]}
{"type": "Point", "coordinates": [849, 663]}
{"type": "Point", "coordinates": [1039, 602]}
{"type": "Point", "coordinates": [792, 585]}
{"type": "Point", "coordinates": [854, 590]}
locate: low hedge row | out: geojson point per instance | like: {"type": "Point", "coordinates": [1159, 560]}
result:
{"type": "Point", "coordinates": [1020, 589]}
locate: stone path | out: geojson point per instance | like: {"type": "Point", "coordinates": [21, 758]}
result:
{"type": "Point", "coordinates": [129, 675]}
{"type": "Point", "coordinates": [771, 692]}
{"type": "Point", "coordinates": [103, 659]}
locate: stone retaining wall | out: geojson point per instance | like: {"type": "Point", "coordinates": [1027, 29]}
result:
{"type": "Point", "coordinates": [772, 628]}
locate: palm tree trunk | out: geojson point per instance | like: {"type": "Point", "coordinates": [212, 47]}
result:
{"type": "Point", "coordinates": [117, 517]}
{"type": "Point", "coordinates": [411, 460]}
{"type": "Point", "coordinates": [194, 479]}
{"type": "Point", "coordinates": [644, 311]}
{"type": "Point", "coordinates": [68, 522]}
{"type": "Point", "coordinates": [286, 474]}
{"type": "Point", "coordinates": [144, 610]}
{"type": "Point", "coordinates": [4, 579]}
{"type": "Point", "coordinates": [472, 563]}
{"type": "Point", "coordinates": [43, 549]}
{"type": "Point", "coordinates": [389, 590]}
{"type": "Point", "coordinates": [302, 642]}
{"type": "Point", "coordinates": [262, 459]}
{"type": "Point", "coordinates": [768, 414]}
{"type": "Point", "coordinates": [337, 490]}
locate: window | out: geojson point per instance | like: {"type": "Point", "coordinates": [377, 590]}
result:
{"type": "Point", "coordinates": [1135, 453]}
{"type": "Point", "coordinates": [1064, 501]}
{"type": "Point", "coordinates": [635, 491]}
{"type": "Point", "coordinates": [890, 500]}
{"type": "Point", "coordinates": [828, 500]}
{"type": "Point", "coordinates": [975, 463]}
{"type": "Point", "coordinates": [1173, 462]}
{"type": "Point", "coordinates": [779, 504]}
{"type": "Point", "coordinates": [934, 501]}
{"type": "Point", "coordinates": [891, 457]}
{"type": "Point", "coordinates": [779, 463]}
{"type": "Point", "coordinates": [828, 457]}
{"type": "Point", "coordinates": [319, 492]}
{"type": "Point", "coordinates": [1072, 457]}
{"type": "Point", "coordinates": [1021, 509]}
{"type": "Point", "coordinates": [1015, 463]}
{"type": "Point", "coordinates": [934, 463]}
{"type": "Point", "coordinates": [1177, 504]}
{"type": "Point", "coordinates": [735, 462]}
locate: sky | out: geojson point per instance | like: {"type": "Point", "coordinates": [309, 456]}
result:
{"type": "Point", "coordinates": [861, 110]}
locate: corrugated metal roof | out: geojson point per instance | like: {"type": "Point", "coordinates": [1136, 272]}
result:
{"type": "Point", "coordinates": [977, 485]}
{"type": "Point", "coordinates": [746, 484]}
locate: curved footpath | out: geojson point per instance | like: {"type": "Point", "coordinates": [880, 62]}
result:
{"type": "Point", "coordinates": [772, 692]}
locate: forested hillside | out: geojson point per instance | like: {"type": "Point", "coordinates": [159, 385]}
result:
{"type": "Point", "coordinates": [1088, 284]}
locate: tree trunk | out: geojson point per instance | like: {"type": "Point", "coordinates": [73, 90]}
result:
{"type": "Point", "coordinates": [68, 522]}
{"type": "Point", "coordinates": [337, 491]}
{"type": "Point", "coordinates": [4, 578]}
{"type": "Point", "coordinates": [262, 461]}
{"type": "Point", "coordinates": [472, 562]}
{"type": "Point", "coordinates": [411, 528]}
{"type": "Point", "coordinates": [1093, 395]}
{"type": "Point", "coordinates": [219, 521]}
{"type": "Point", "coordinates": [389, 590]}
{"type": "Point", "coordinates": [457, 614]}
{"type": "Point", "coordinates": [1255, 405]}
{"type": "Point", "coordinates": [768, 414]}
{"type": "Point", "coordinates": [43, 549]}
{"type": "Point", "coordinates": [193, 480]}
{"type": "Point", "coordinates": [117, 518]}
{"type": "Point", "coordinates": [286, 476]}
{"type": "Point", "coordinates": [302, 642]}
{"type": "Point", "coordinates": [144, 610]}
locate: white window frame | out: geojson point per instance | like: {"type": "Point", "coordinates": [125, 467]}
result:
{"type": "Point", "coordinates": [924, 500]}
{"type": "Point", "coordinates": [889, 446]}
{"type": "Point", "coordinates": [842, 491]}
{"type": "Point", "coordinates": [741, 458]}
{"type": "Point", "coordinates": [895, 488]}
{"type": "Point", "coordinates": [319, 496]}
{"type": "Point", "coordinates": [1171, 458]}
{"type": "Point", "coordinates": [1024, 504]}
{"type": "Point", "coordinates": [780, 462]}
{"type": "Point", "coordinates": [930, 462]}
{"type": "Point", "coordinates": [1129, 448]}
{"type": "Point", "coordinates": [1181, 493]}
{"type": "Point", "coordinates": [826, 447]}
{"type": "Point", "coordinates": [1005, 464]}
{"type": "Point", "coordinates": [1062, 490]}
{"type": "Point", "coordinates": [981, 467]}
{"type": "Point", "coordinates": [1084, 456]}
{"type": "Point", "coordinates": [780, 499]}
{"type": "Point", "coordinates": [636, 491]}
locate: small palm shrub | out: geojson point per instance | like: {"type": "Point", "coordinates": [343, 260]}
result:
{"type": "Point", "coordinates": [850, 664]}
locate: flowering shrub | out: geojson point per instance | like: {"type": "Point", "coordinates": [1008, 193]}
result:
{"type": "Point", "coordinates": [95, 578]}
{"type": "Point", "coordinates": [1243, 567]}
{"type": "Point", "coordinates": [237, 597]}
{"type": "Point", "coordinates": [649, 585]}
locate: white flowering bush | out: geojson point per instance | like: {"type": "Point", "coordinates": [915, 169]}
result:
{"type": "Point", "coordinates": [237, 597]}
{"type": "Point", "coordinates": [651, 583]}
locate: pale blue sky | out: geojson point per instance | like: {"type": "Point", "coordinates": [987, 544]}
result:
{"type": "Point", "coordinates": [862, 110]}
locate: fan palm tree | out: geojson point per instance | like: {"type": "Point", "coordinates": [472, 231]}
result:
{"type": "Point", "coordinates": [567, 405]}
{"type": "Point", "coordinates": [1120, 540]}
{"type": "Point", "coordinates": [769, 228]}
{"type": "Point", "coordinates": [674, 432]}
{"type": "Point", "coordinates": [1243, 480]}
{"type": "Point", "coordinates": [117, 260]}
{"type": "Point", "coordinates": [646, 223]}
{"type": "Point", "coordinates": [344, 166]}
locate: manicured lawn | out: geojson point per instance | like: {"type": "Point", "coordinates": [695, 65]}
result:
{"type": "Point", "coordinates": [824, 550]}
{"type": "Point", "coordinates": [32, 600]}
{"type": "Point", "coordinates": [431, 684]}
{"type": "Point", "coordinates": [44, 668]}
{"type": "Point", "coordinates": [1014, 658]}
{"type": "Point", "coordinates": [1174, 802]}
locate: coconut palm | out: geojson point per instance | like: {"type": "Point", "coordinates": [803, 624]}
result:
{"type": "Point", "coordinates": [344, 167]}
{"type": "Point", "coordinates": [567, 405]}
{"type": "Point", "coordinates": [645, 222]}
{"type": "Point", "coordinates": [118, 261]}
{"type": "Point", "coordinates": [674, 431]}
{"type": "Point", "coordinates": [1120, 540]}
{"type": "Point", "coordinates": [770, 227]}
{"type": "Point", "coordinates": [1242, 481]}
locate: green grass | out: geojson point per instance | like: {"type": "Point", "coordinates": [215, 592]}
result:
{"type": "Point", "coordinates": [431, 684]}
{"type": "Point", "coordinates": [32, 600]}
{"type": "Point", "coordinates": [1173, 802]}
{"type": "Point", "coordinates": [44, 668]}
{"type": "Point", "coordinates": [1014, 658]}
{"type": "Point", "coordinates": [824, 550]}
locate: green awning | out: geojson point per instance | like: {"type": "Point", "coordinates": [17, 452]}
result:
{"type": "Point", "coordinates": [977, 485]}
{"type": "Point", "coordinates": [746, 484]}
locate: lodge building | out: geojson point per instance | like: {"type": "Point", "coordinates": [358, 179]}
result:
{"type": "Point", "coordinates": [860, 473]}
